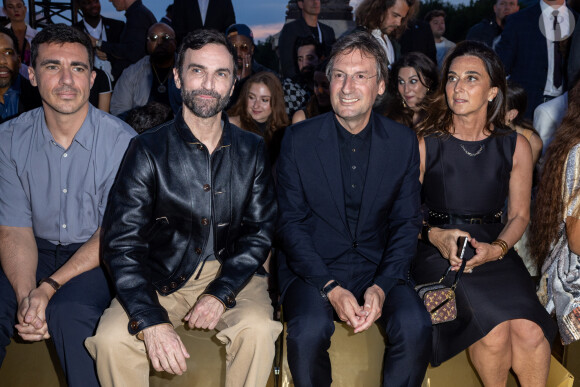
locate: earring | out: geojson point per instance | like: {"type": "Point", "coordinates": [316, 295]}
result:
{"type": "Point", "coordinates": [490, 100]}
{"type": "Point", "coordinates": [404, 102]}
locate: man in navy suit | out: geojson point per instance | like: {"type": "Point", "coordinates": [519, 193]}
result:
{"type": "Point", "coordinates": [348, 194]}
{"type": "Point", "coordinates": [533, 50]}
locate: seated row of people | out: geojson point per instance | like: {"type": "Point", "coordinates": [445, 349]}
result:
{"type": "Point", "coordinates": [348, 214]}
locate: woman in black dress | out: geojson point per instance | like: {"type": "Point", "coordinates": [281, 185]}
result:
{"type": "Point", "coordinates": [470, 165]}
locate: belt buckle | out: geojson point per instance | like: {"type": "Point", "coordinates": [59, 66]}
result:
{"type": "Point", "coordinates": [475, 220]}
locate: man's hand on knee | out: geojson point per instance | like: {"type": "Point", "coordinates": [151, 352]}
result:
{"type": "Point", "coordinates": [165, 349]}
{"type": "Point", "coordinates": [346, 306]}
{"type": "Point", "coordinates": [206, 313]}
{"type": "Point", "coordinates": [373, 307]}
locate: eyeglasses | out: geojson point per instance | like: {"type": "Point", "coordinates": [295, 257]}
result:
{"type": "Point", "coordinates": [242, 47]}
{"type": "Point", "coordinates": [358, 78]}
{"type": "Point", "coordinates": [154, 37]}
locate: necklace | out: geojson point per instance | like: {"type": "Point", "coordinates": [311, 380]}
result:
{"type": "Point", "coordinates": [481, 148]}
{"type": "Point", "coordinates": [161, 88]}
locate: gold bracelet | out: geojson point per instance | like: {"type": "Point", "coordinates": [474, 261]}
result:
{"type": "Point", "coordinates": [503, 246]}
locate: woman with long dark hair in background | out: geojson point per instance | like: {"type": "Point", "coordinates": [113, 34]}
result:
{"type": "Point", "coordinates": [412, 80]}
{"type": "Point", "coordinates": [555, 230]}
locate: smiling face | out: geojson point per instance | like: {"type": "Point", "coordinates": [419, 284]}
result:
{"type": "Point", "coordinates": [9, 61]}
{"type": "Point", "coordinates": [468, 87]}
{"type": "Point", "coordinates": [15, 10]}
{"type": "Point", "coordinates": [63, 77]}
{"type": "Point", "coordinates": [259, 102]}
{"type": "Point", "coordinates": [411, 87]}
{"type": "Point", "coordinates": [352, 101]}
{"type": "Point", "coordinates": [394, 16]}
{"type": "Point", "coordinates": [206, 79]}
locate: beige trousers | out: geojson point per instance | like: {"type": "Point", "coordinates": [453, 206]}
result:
{"type": "Point", "coordinates": [247, 330]}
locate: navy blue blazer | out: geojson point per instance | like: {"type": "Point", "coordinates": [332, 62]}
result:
{"type": "Point", "coordinates": [524, 53]}
{"type": "Point", "coordinates": [312, 223]}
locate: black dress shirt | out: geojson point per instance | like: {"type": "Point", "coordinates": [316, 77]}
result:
{"type": "Point", "coordinates": [354, 159]}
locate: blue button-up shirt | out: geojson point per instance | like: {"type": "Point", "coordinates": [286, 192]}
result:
{"type": "Point", "coordinates": [60, 193]}
{"type": "Point", "coordinates": [11, 97]}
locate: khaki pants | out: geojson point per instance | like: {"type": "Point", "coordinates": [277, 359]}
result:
{"type": "Point", "coordinates": [247, 330]}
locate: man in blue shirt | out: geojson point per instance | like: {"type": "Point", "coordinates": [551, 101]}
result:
{"type": "Point", "coordinates": [57, 164]}
{"type": "Point", "coordinates": [16, 93]}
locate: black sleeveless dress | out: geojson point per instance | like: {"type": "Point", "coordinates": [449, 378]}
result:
{"type": "Point", "coordinates": [472, 178]}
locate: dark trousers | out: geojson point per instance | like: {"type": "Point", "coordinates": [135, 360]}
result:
{"type": "Point", "coordinates": [310, 321]}
{"type": "Point", "coordinates": [72, 313]}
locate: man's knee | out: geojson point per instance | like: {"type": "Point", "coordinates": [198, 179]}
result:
{"type": "Point", "coordinates": [310, 333]}
{"type": "Point", "coordinates": [410, 325]}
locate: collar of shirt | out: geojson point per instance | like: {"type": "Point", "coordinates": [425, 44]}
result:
{"type": "Point", "coordinates": [344, 135]}
{"type": "Point", "coordinates": [186, 134]}
{"type": "Point", "coordinates": [96, 32]}
{"type": "Point", "coordinates": [84, 136]}
{"type": "Point", "coordinates": [11, 97]}
{"type": "Point", "coordinates": [548, 20]}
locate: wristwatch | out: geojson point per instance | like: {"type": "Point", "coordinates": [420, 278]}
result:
{"type": "Point", "coordinates": [99, 43]}
{"type": "Point", "coordinates": [325, 290]}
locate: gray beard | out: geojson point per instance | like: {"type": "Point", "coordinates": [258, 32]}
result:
{"type": "Point", "coordinates": [204, 109]}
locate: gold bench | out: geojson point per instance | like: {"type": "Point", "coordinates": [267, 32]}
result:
{"type": "Point", "coordinates": [356, 361]}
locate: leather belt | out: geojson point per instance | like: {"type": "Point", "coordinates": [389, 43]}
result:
{"type": "Point", "coordinates": [439, 218]}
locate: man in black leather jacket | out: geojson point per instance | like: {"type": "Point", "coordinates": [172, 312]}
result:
{"type": "Point", "coordinates": [189, 222]}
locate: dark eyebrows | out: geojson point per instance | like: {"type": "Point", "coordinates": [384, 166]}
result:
{"type": "Point", "coordinates": [80, 64]}
{"type": "Point", "coordinates": [58, 62]}
{"type": "Point", "coordinates": [224, 70]}
{"type": "Point", "coordinates": [49, 61]}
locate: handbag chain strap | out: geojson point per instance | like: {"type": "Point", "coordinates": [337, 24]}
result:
{"type": "Point", "coordinates": [457, 275]}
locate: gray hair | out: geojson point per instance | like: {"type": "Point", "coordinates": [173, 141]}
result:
{"type": "Point", "coordinates": [368, 45]}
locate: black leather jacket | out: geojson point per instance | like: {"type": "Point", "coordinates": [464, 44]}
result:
{"type": "Point", "coordinates": [157, 221]}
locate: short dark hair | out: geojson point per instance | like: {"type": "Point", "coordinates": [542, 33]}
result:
{"type": "Point", "coordinates": [433, 14]}
{"type": "Point", "coordinates": [149, 116]}
{"type": "Point", "coordinates": [198, 39]}
{"type": "Point", "coordinates": [61, 34]}
{"type": "Point", "coordinates": [10, 33]}
{"type": "Point", "coordinates": [309, 41]}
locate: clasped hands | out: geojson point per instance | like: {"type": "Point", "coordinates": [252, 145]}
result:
{"type": "Point", "coordinates": [357, 316]}
{"type": "Point", "coordinates": [446, 242]}
{"type": "Point", "coordinates": [31, 314]}
{"type": "Point", "coordinates": [164, 346]}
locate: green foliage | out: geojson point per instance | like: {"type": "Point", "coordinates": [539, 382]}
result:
{"type": "Point", "coordinates": [460, 18]}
